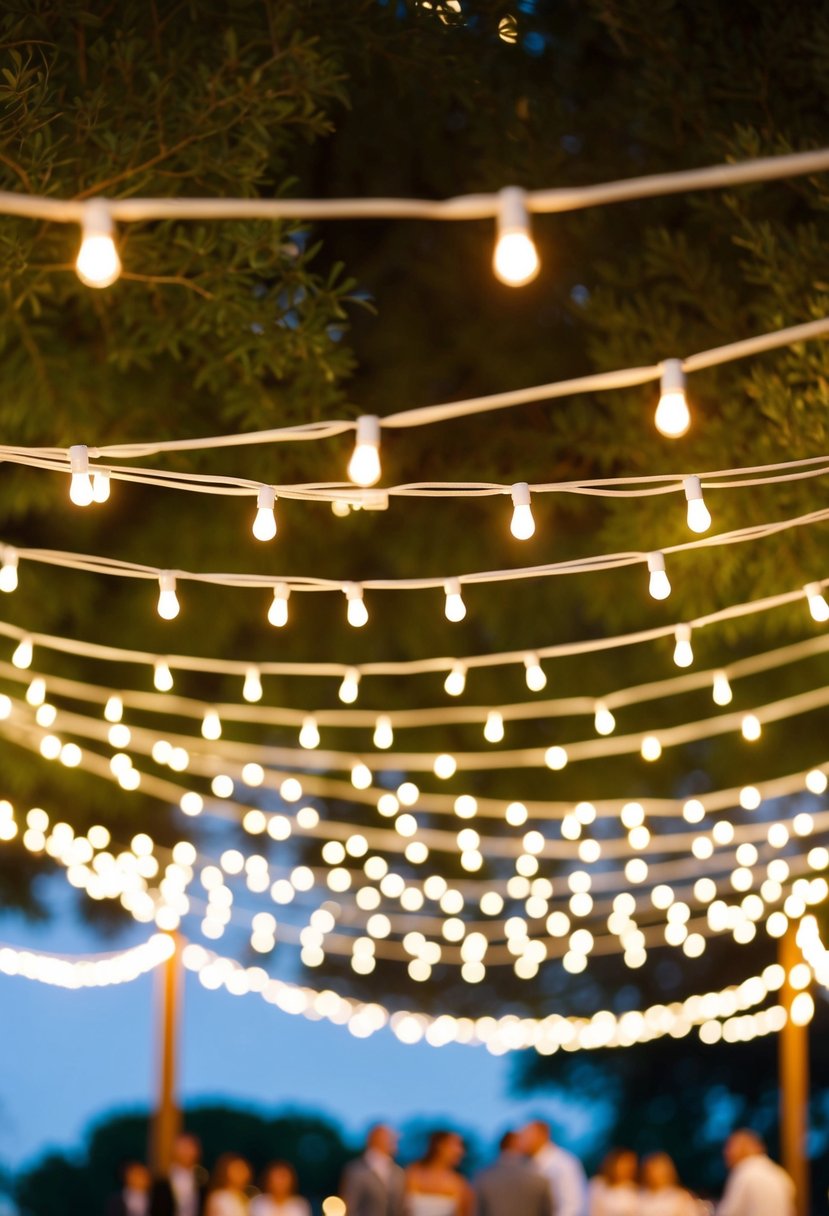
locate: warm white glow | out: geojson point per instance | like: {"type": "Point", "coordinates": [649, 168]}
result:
{"type": "Point", "coordinates": [722, 689]}
{"type": "Point", "coordinates": [683, 653]}
{"type": "Point", "coordinates": [80, 487]}
{"type": "Point", "coordinates": [651, 748]}
{"type": "Point", "coordinates": [699, 517]}
{"type": "Point", "coordinates": [356, 612]}
{"type": "Point", "coordinates": [162, 676]}
{"type": "Point", "coordinates": [309, 735]}
{"type": "Point", "coordinates": [523, 525]}
{"type": "Point", "coordinates": [818, 606]}
{"type": "Point", "coordinates": [114, 709]}
{"type": "Point", "coordinates": [100, 485]}
{"type": "Point", "coordinates": [455, 682]}
{"type": "Point", "coordinates": [278, 611]}
{"type": "Point", "coordinates": [536, 677]}
{"type": "Point", "coordinates": [383, 732]}
{"type": "Point", "coordinates": [515, 260]}
{"type": "Point", "coordinates": [364, 466]}
{"type": "Point", "coordinates": [445, 766]}
{"type": "Point", "coordinates": [556, 758]}
{"type": "Point", "coordinates": [211, 727]}
{"type": "Point", "coordinates": [98, 263]}
{"type": "Point", "coordinates": [751, 728]}
{"type": "Point", "coordinates": [36, 692]}
{"type": "Point", "coordinates": [8, 570]}
{"type": "Point", "coordinates": [252, 690]}
{"type": "Point", "coordinates": [494, 727]}
{"type": "Point", "coordinates": [350, 686]}
{"type": "Point", "coordinates": [659, 586]}
{"type": "Point", "coordinates": [673, 418]}
{"type": "Point", "coordinates": [264, 524]}
{"type": "Point", "coordinates": [168, 605]}
{"type": "Point", "coordinates": [23, 654]}
{"type": "Point", "coordinates": [454, 607]}
{"type": "Point", "coordinates": [604, 721]}
{"type": "Point", "coordinates": [360, 776]}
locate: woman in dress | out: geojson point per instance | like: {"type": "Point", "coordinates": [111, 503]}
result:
{"type": "Point", "coordinates": [433, 1185]}
{"type": "Point", "coordinates": [614, 1192]}
{"type": "Point", "coordinates": [662, 1194]}
{"type": "Point", "coordinates": [279, 1193]}
{"type": "Point", "coordinates": [228, 1194]}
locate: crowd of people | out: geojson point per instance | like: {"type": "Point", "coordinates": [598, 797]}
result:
{"type": "Point", "coordinates": [532, 1176]}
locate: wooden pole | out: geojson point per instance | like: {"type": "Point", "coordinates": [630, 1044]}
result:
{"type": "Point", "coordinates": [793, 1052]}
{"type": "Point", "coordinates": [166, 1121]}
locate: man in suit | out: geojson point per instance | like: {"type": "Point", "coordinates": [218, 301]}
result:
{"type": "Point", "coordinates": [511, 1186]}
{"type": "Point", "coordinates": [133, 1199]}
{"type": "Point", "coordinates": [182, 1192]}
{"type": "Point", "coordinates": [374, 1184]}
{"type": "Point", "coordinates": [563, 1171]}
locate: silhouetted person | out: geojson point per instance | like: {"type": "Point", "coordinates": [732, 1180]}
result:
{"type": "Point", "coordinates": [756, 1185]}
{"type": "Point", "coordinates": [511, 1187]}
{"type": "Point", "coordinates": [374, 1184]}
{"type": "Point", "coordinates": [133, 1199]}
{"type": "Point", "coordinates": [563, 1171]}
{"type": "Point", "coordinates": [433, 1185]}
{"type": "Point", "coordinates": [182, 1192]}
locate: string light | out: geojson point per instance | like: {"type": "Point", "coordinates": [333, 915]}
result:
{"type": "Point", "coordinates": [651, 748]}
{"type": "Point", "coordinates": [536, 677]}
{"type": "Point", "coordinates": [309, 735]}
{"type": "Point", "coordinates": [603, 719]}
{"type": "Point", "coordinates": [357, 613]}
{"type": "Point", "coordinates": [23, 654]}
{"type": "Point", "coordinates": [168, 605]}
{"type": "Point", "coordinates": [494, 727]}
{"type": "Point", "coordinates": [8, 569]}
{"type": "Point", "coordinates": [722, 692]}
{"type": "Point", "coordinates": [445, 766]}
{"type": "Point", "coordinates": [818, 605]}
{"type": "Point", "coordinates": [683, 653]}
{"type": "Point", "coordinates": [211, 727]}
{"type": "Point", "coordinates": [80, 486]}
{"type": "Point", "coordinates": [278, 611]}
{"type": "Point", "coordinates": [36, 692]}
{"type": "Point", "coordinates": [523, 525]}
{"type": "Point", "coordinates": [383, 732]}
{"type": "Point", "coordinates": [350, 687]}
{"type": "Point", "coordinates": [364, 466]}
{"type": "Point", "coordinates": [252, 690]}
{"type": "Point", "coordinates": [264, 523]}
{"type": "Point", "coordinates": [699, 517]}
{"type": "Point", "coordinates": [515, 260]}
{"type": "Point", "coordinates": [672, 417]}
{"type": "Point", "coordinates": [751, 728]}
{"type": "Point", "coordinates": [659, 584]}
{"type": "Point", "coordinates": [94, 971]}
{"type": "Point", "coordinates": [162, 676]}
{"type": "Point", "coordinates": [101, 485]}
{"type": "Point", "coordinates": [98, 263]}
{"type": "Point", "coordinates": [454, 608]}
{"type": "Point", "coordinates": [114, 708]}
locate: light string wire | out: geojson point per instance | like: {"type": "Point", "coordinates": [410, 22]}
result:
{"type": "Point", "coordinates": [87, 971]}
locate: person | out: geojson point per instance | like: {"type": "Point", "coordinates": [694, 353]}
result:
{"type": "Point", "coordinates": [433, 1185]}
{"type": "Point", "coordinates": [279, 1193]}
{"type": "Point", "coordinates": [182, 1192]}
{"type": "Point", "coordinates": [374, 1184]}
{"type": "Point", "coordinates": [133, 1199]}
{"type": "Point", "coordinates": [228, 1187]}
{"type": "Point", "coordinates": [661, 1193]}
{"type": "Point", "coordinates": [756, 1185]}
{"type": "Point", "coordinates": [511, 1187]}
{"type": "Point", "coordinates": [563, 1171]}
{"type": "Point", "coordinates": [614, 1192]}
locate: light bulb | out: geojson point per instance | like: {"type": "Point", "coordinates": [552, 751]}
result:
{"type": "Point", "coordinates": [360, 775]}
{"type": "Point", "coordinates": [114, 709]}
{"type": "Point", "coordinates": [162, 676]}
{"type": "Point", "coordinates": [536, 679]}
{"type": "Point", "coordinates": [24, 653]}
{"type": "Point", "coordinates": [278, 611]}
{"type": "Point", "coordinates": [100, 485]}
{"type": "Point", "coordinates": [494, 727]}
{"type": "Point", "coordinates": [455, 682]}
{"type": "Point", "coordinates": [364, 466]}
{"type": "Point", "coordinates": [651, 748]}
{"type": "Point", "coordinates": [445, 766]}
{"type": "Point", "coordinates": [80, 487]}
{"type": "Point", "coordinates": [252, 690]}
{"type": "Point", "coordinates": [515, 260]}
{"type": "Point", "coordinates": [523, 525]}
{"type": "Point", "coordinates": [683, 653]}
{"type": "Point", "coordinates": [672, 414]}
{"type": "Point", "coordinates": [98, 263]}
{"type": "Point", "coordinates": [603, 720]}
{"type": "Point", "coordinates": [818, 606]}
{"type": "Point", "coordinates": [751, 728]}
{"type": "Point", "coordinates": [699, 517]}
{"type": "Point", "coordinates": [350, 686]}
{"type": "Point", "coordinates": [357, 612]}
{"type": "Point", "coordinates": [383, 732]}
{"type": "Point", "coordinates": [8, 570]}
{"type": "Point", "coordinates": [660, 586]}
{"type": "Point", "coordinates": [309, 735]}
{"type": "Point", "coordinates": [454, 607]}
{"type": "Point", "coordinates": [722, 689]}
{"type": "Point", "coordinates": [211, 727]}
{"type": "Point", "coordinates": [36, 692]}
{"type": "Point", "coordinates": [168, 605]}
{"type": "Point", "coordinates": [264, 524]}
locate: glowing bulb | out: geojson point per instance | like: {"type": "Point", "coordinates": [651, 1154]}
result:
{"type": "Point", "coordinates": [114, 709]}
{"type": "Point", "coordinates": [8, 570]}
{"type": "Point", "coordinates": [100, 485]}
{"type": "Point", "coordinates": [455, 682]}
{"type": "Point", "coordinates": [683, 654]}
{"type": "Point", "coordinates": [162, 676]}
{"type": "Point", "coordinates": [454, 607]}
{"type": "Point", "coordinates": [98, 263]}
{"type": "Point", "coordinates": [211, 727]}
{"type": "Point", "coordinates": [80, 487]}
{"type": "Point", "coordinates": [536, 678]}
{"type": "Point", "coordinates": [264, 524]}
{"type": "Point", "coordinates": [494, 727]}
{"type": "Point", "coordinates": [252, 690]}
{"type": "Point", "coordinates": [383, 732]}
{"type": "Point", "coordinates": [360, 776]}
{"type": "Point", "coordinates": [278, 611]}
{"type": "Point", "coordinates": [660, 586]}
{"type": "Point", "coordinates": [515, 261]}
{"type": "Point", "coordinates": [751, 728]}
{"type": "Point", "coordinates": [818, 606]}
{"type": "Point", "coordinates": [168, 605]}
{"type": "Point", "coordinates": [699, 517]}
{"type": "Point", "coordinates": [604, 721]}
{"type": "Point", "coordinates": [24, 653]}
{"type": "Point", "coordinates": [523, 525]}
{"type": "Point", "coordinates": [672, 414]}
{"type": "Point", "coordinates": [364, 466]}
{"type": "Point", "coordinates": [722, 689]}
{"type": "Point", "coordinates": [356, 612]}
{"type": "Point", "coordinates": [556, 758]}
{"type": "Point", "coordinates": [350, 686]}
{"type": "Point", "coordinates": [309, 736]}
{"type": "Point", "coordinates": [36, 692]}
{"type": "Point", "coordinates": [651, 748]}
{"type": "Point", "coordinates": [445, 766]}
